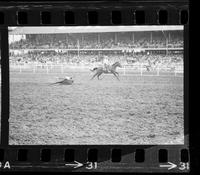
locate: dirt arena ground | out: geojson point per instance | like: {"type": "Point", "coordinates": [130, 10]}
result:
{"type": "Point", "coordinates": [134, 110]}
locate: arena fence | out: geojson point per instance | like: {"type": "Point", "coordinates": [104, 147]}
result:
{"type": "Point", "coordinates": [127, 69]}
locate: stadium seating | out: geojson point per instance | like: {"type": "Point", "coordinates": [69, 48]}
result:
{"type": "Point", "coordinates": [75, 42]}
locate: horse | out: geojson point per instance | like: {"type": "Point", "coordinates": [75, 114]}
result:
{"type": "Point", "coordinates": [109, 69]}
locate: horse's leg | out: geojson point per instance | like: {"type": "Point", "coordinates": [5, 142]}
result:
{"type": "Point", "coordinates": [99, 75]}
{"type": "Point", "coordinates": [94, 75]}
{"type": "Point", "coordinates": [115, 75]}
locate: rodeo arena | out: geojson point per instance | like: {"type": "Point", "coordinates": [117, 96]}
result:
{"type": "Point", "coordinates": [96, 85]}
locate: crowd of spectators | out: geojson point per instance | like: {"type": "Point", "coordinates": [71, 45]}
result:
{"type": "Point", "coordinates": [169, 60]}
{"type": "Point", "coordinates": [123, 42]}
{"type": "Point", "coordinates": [86, 41]}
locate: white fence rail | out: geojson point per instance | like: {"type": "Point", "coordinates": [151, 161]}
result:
{"type": "Point", "coordinates": [139, 69]}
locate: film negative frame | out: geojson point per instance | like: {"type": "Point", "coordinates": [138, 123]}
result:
{"type": "Point", "coordinates": [92, 158]}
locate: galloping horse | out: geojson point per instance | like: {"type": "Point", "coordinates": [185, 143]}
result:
{"type": "Point", "coordinates": [109, 69]}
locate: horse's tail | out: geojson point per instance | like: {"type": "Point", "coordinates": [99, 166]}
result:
{"type": "Point", "coordinates": [93, 69]}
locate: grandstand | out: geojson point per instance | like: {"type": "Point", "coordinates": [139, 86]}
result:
{"type": "Point", "coordinates": [85, 47]}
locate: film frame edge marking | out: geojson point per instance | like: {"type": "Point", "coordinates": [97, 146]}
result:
{"type": "Point", "coordinates": [5, 138]}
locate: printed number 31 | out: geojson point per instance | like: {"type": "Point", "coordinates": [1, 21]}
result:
{"type": "Point", "coordinates": [91, 165]}
{"type": "Point", "coordinates": [184, 166]}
